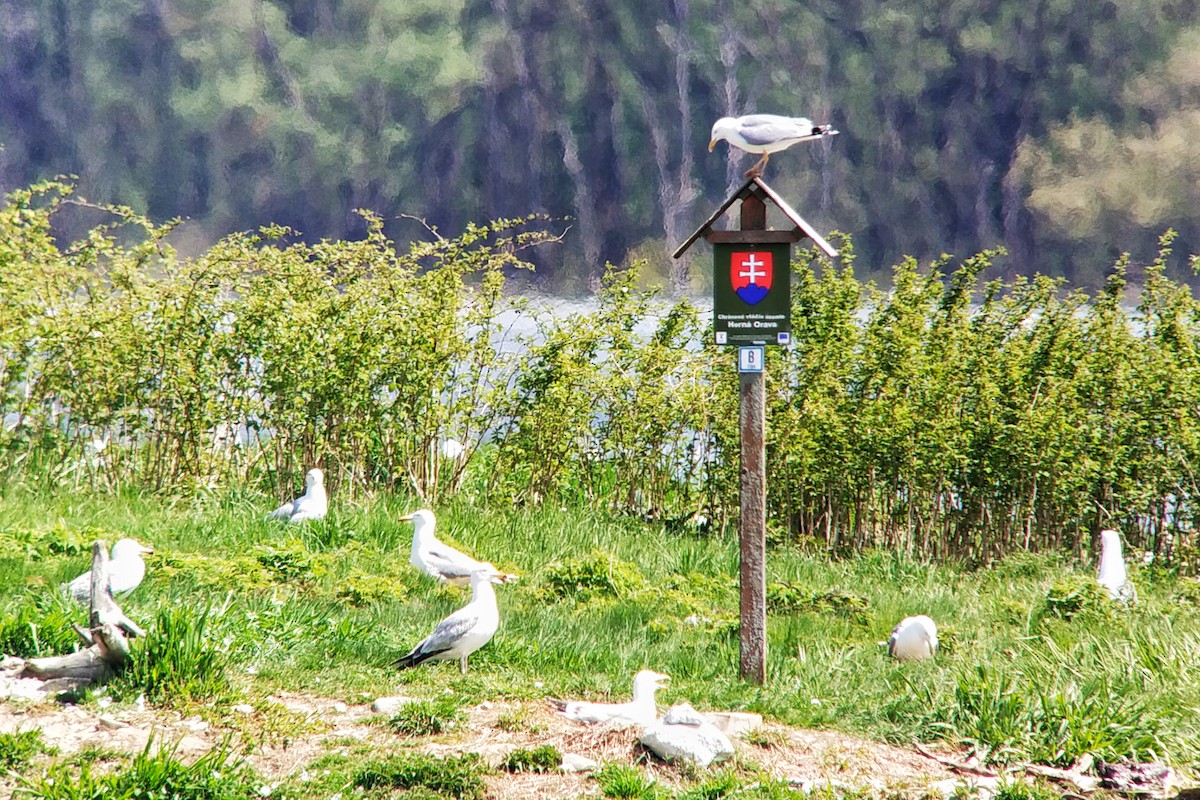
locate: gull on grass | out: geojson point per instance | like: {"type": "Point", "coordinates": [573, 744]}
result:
{"type": "Point", "coordinates": [439, 560]}
{"type": "Point", "coordinates": [125, 571]}
{"type": "Point", "coordinates": [463, 632]}
{"type": "Point", "coordinates": [313, 504]}
{"type": "Point", "coordinates": [766, 134]}
{"type": "Point", "coordinates": [914, 639]}
{"type": "Point", "coordinates": [1112, 568]}
{"type": "Point", "coordinates": [639, 711]}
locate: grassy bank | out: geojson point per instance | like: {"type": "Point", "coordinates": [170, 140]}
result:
{"type": "Point", "coordinates": [1035, 663]}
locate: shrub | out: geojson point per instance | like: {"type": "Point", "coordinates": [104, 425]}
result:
{"type": "Point", "coordinates": [598, 574]}
{"type": "Point", "coordinates": [542, 759]}
{"type": "Point", "coordinates": [18, 749]}
{"type": "Point", "coordinates": [623, 782]}
{"type": "Point", "coordinates": [179, 663]}
{"type": "Point", "coordinates": [459, 777]}
{"type": "Point", "coordinates": [1074, 594]}
{"type": "Point", "coordinates": [38, 625]}
{"type": "Point", "coordinates": [213, 776]}
{"type": "Point", "coordinates": [426, 717]}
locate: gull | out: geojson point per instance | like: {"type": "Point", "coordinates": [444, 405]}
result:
{"type": "Point", "coordinates": [464, 631]}
{"type": "Point", "coordinates": [439, 560]}
{"type": "Point", "coordinates": [125, 571]}
{"type": "Point", "coordinates": [639, 711]}
{"type": "Point", "coordinates": [914, 639]}
{"type": "Point", "coordinates": [313, 504]}
{"type": "Point", "coordinates": [766, 134]}
{"type": "Point", "coordinates": [452, 449]}
{"type": "Point", "coordinates": [1112, 567]}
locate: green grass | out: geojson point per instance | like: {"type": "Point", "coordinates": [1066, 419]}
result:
{"type": "Point", "coordinates": [1033, 665]}
{"type": "Point", "coordinates": [17, 750]}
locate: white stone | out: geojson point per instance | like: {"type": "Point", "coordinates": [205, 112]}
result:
{"type": "Point", "coordinates": [242, 708]}
{"type": "Point", "coordinates": [682, 734]}
{"type": "Point", "coordinates": [340, 707]}
{"type": "Point", "coordinates": [112, 722]}
{"type": "Point", "coordinates": [734, 723]}
{"type": "Point", "coordinates": [573, 762]}
{"type": "Point", "coordinates": [389, 705]}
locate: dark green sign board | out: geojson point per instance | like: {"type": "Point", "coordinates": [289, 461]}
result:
{"type": "Point", "coordinates": [752, 294]}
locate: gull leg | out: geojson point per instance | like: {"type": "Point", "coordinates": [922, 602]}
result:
{"type": "Point", "coordinates": [462, 664]}
{"type": "Point", "coordinates": [758, 167]}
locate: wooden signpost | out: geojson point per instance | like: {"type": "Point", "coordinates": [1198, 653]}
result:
{"type": "Point", "coordinates": [752, 309]}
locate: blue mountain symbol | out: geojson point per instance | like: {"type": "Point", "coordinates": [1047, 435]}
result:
{"type": "Point", "coordinates": [752, 293]}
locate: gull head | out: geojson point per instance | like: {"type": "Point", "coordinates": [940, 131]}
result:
{"type": "Point", "coordinates": [647, 682]}
{"type": "Point", "coordinates": [724, 128]}
{"type": "Point", "coordinates": [1110, 543]}
{"type": "Point", "coordinates": [481, 577]}
{"type": "Point", "coordinates": [314, 478]}
{"type": "Point", "coordinates": [128, 548]}
{"type": "Point", "coordinates": [422, 521]}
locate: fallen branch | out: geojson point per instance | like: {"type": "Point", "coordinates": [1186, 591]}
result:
{"type": "Point", "coordinates": [108, 649]}
{"type": "Point", "coordinates": [972, 765]}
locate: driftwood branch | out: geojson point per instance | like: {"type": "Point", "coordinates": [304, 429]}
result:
{"type": "Point", "coordinates": [108, 647]}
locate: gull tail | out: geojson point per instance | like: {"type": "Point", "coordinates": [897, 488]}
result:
{"type": "Point", "coordinates": [413, 658]}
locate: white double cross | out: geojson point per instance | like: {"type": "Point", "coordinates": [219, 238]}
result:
{"type": "Point", "coordinates": [752, 262]}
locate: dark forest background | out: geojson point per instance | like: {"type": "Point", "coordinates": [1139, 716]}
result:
{"type": "Point", "coordinates": [1064, 131]}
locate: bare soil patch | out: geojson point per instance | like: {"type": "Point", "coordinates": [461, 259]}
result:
{"type": "Point", "coordinates": [319, 725]}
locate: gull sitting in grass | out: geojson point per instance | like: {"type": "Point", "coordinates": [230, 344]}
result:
{"type": "Point", "coordinates": [125, 571]}
{"type": "Point", "coordinates": [439, 560]}
{"type": "Point", "coordinates": [1112, 568]}
{"type": "Point", "coordinates": [464, 631]}
{"type": "Point", "coordinates": [639, 711]}
{"type": "Point", "coordinates": [914, 639]}
{"type": "Point", "coordinates": [313, 504]}
{"type": "Point", "coordinates": [766, 134]}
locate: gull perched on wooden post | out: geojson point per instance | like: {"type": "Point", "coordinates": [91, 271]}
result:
{"type": "Point", "coordinates": [914, 639]}
{"type": "Point", "coordinates": [464, 631]}
{"type": "Point", "coordinates": [313, 504]}
{"type": "Point", "coordinates": [639, 711]}
{"type": "Point", "coordinates": [766, 134]}
{"type": "Point", "coordinates": [439, 560]}
{"type": "Point", "coordinates": [1112, 567]}
{"type": "Point", "coordinates": [125, 571]}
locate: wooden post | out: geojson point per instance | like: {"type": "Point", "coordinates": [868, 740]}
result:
{"type": "Point", "coordinates": [752, 530]}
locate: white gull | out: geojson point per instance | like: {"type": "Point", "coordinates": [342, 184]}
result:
{"type": "Point", "coordinates": [125, 571]}
{"type": "Point", "coordinates": [766, 134]}
{"type": "Point", "coordinates": [464, 631]}
{"type": "Point", "coordinates": [439, 560]}
{"type": "Point", "coordinates": [313, 504]}
{"type": "Point", "coordinates": [914, 639]}
{"type": "Point", "coordinates": [639, 711]}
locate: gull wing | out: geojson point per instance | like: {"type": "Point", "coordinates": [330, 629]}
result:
{"type": "Point", "coordinates": [765, 129]}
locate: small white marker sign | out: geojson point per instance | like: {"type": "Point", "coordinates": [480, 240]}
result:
{"type": "Point", "coordinates": [750, 359]}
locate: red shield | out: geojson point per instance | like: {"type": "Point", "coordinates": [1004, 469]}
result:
{"type": "Point", "coordinates": [751, 274]}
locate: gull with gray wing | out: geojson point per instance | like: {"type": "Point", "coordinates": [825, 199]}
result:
{"type": "Point", "coordinates": [463, 632]}
{"type": "Point", "coordinates": [313, 504]}
{"type": "Point", "coordinates": [766, 134]}
{"type": "Point", "coordinates": [438, 559]}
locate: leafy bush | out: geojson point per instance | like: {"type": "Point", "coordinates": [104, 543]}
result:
{"type": "Point", "coordinates": [213, 776]}
{"type": "Point", "coordinates": [623, 782]}
{"type": "Point", "coordinates": [427, 717]}
{"type": "Point", "coordinates": [546, 758]}
{"type": "Point", "coordinates": [459, 777]}
{"type": "Point", "coordinates": [39, 625]}
{"type": "Point", "coordinates": [18, 749]}
{"type": "Point", "coordinates": [178, 663]}
{"type": "Point", "coordinates": [783, 596]}
{"type": "Point", "coordinates": [1072, 595]}
{"type": "Point", "coordinates": [598, 574]}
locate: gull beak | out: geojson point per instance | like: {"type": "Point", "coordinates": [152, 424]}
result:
{"type": "Point", "coordinates": [711, 145]}
{"type": "Point", "coordinates": [405, 518]}
{"type": "Point", "coordinates": [147, 550]}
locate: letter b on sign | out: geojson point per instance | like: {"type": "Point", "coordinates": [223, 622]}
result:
{"type": "Point", "coordinates": [750, 359]}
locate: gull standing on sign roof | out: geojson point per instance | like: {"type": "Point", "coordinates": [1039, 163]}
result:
{"type": "Point", "coordinates": [313, 504]}
{"type": "Point", "coordinates": [766, 134]}
{"type": "Point", "coordinates": [464, 631]}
